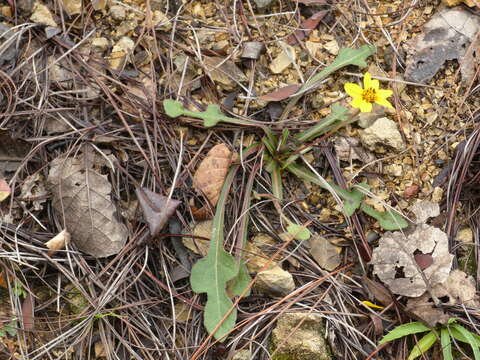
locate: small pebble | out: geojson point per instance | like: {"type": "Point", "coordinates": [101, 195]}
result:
{"type": "Point", "coordinates": [117, 12]}
{"type": "Point", "coordinates": [252, 50]}
{"type": "Point", "coordinates": [372, 236]}
{"type": "Point", "coordinates": [411, 191]}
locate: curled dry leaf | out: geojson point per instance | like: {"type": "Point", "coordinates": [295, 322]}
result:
{"type": "Point", "coordinates": [83, 197]}
{"type": "Point", "coordinates": [306, 26]}
{"type": "Point", "coordinates": [4, 189]}
{"type": "Point", "coordinates": [394, 260]}
{"type": "Point", "coordinates": [58, 242]}
{"type": "Point", "coordinates": [211, 172]}
{"type": "Point", "coordinates": [281, 93]}
{"type": "Point", "coordinates": [458, 289]}
{"type": "Point", "coordinates": [157, 209]}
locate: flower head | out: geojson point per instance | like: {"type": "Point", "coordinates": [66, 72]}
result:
{"type": "Point", "coordinates": [363, 98]}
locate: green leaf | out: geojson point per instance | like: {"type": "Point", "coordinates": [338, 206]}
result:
{"type": "Point", "coordinates": [446, 344]}
{"type": "Point", "coordinates": [298, 232]}
{"type": "Point", "coordinates": [173, 108]}
{"type": "Point", "coordinates": [283, 139]}
{"type": "Point", "coordinates": [211, 274]}
{"type": "Point", "coordinates": [345, 57]}
{"type": "Point", "coordinates": [276, 175]}
{"type": "Point", "coordinates": [241, 282]}
{"type": "Point", "coordinates": [389, 220]}
{"type": "Point", "coordinates": [339, 113]}
{"type": "Point", "coordinates": [352, 199]}
{"type": "Point", "coordinates": [459, 336]}
{"type": "Point", "coordinates": [237, 285]}
{"type": "Point", "coordinates": [404, 330]}
{"type": "Point", "coordinates": [423, 345]}
{"type": "Point", "coordinates": [270, 164]}
{"type": "Point", "coordinates": [211, 117]}
{"type": "Point", "coordinates": [470, 339]}
{"type": "Point", "coordinates": [270, 141]}
{"type": "Point", "coordinates": [11, 328]}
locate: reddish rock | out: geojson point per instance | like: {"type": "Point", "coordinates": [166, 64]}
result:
{"type": "Point", "coordinates": [411, 191]}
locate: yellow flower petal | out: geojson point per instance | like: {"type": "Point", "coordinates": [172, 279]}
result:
{"type": "Point", "coordinates": [366, 107]}
{"type": "Point", "coordinates": [372, 305]}
{"type": "Point", "coordinates": [368, 82]}
{"type": "Point", "coordinates": [383, 102]}
{"type": "Point", "coordinates": [353, 90]}
{"type": "Point", "coordinates": [361, 104]}
{"type": "Point", "coordinates": [384, 93]}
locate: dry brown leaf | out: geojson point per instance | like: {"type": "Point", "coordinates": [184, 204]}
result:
{"type": "Point", "coordinates": [306, 26]}
{"type": "Point", "coordinates": [324, 253]}
{"type": "Point", "coordinates": [28, 311]}
{"type": "Point", "coordinates": [202, 213]}
{"type": "Point", "coordinates": [458, 289]}
{"type": "Point", "coordinates": [394, 261]}
{"type": "Point", "coordinates": [58, 242]}
{"type": "Point", "coordinates": [194, 243]}
{"type": "Point", "coordinates": [211, 172]}
{"type": "Point", "coordinates": [281, 93]}
{"type": "Point", "coordinates": [446, 36]}
{"type": "Point", "coordinates": [224, 71]}
{"type": "Point", "coordinates": [425, 309]}
{"type": "Point", "coordinates": [378, 291]}
{"type": "Point", "coordinates": [83, 197]}
{"type": "Point", "coordinates": [424, 210]}
{"type": "Point", "coordinates": [157, 209]}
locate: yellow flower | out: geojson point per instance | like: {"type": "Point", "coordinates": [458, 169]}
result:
{"type": "Point", "coordinates": [363, 98]}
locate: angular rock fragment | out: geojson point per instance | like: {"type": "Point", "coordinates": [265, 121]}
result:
{"type": "Point", "coordinates": [382, 132]}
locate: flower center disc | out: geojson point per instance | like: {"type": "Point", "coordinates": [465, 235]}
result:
{"type": "Point", "coordinates": [369, 95]}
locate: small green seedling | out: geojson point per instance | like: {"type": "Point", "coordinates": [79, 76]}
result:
{"type": "Point", "coordinates": [211, 117]}
{"type": "Point", "coordinates": [443, 333]}
{"type": "Point", "coordinates": [298, 232]}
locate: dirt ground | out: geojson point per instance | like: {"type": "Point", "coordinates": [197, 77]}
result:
{"type": "Point", "coordinates": [109, 198]}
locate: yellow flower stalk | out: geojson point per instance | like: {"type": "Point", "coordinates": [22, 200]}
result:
{"type": "Point", "coordinates": [363, 98]}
